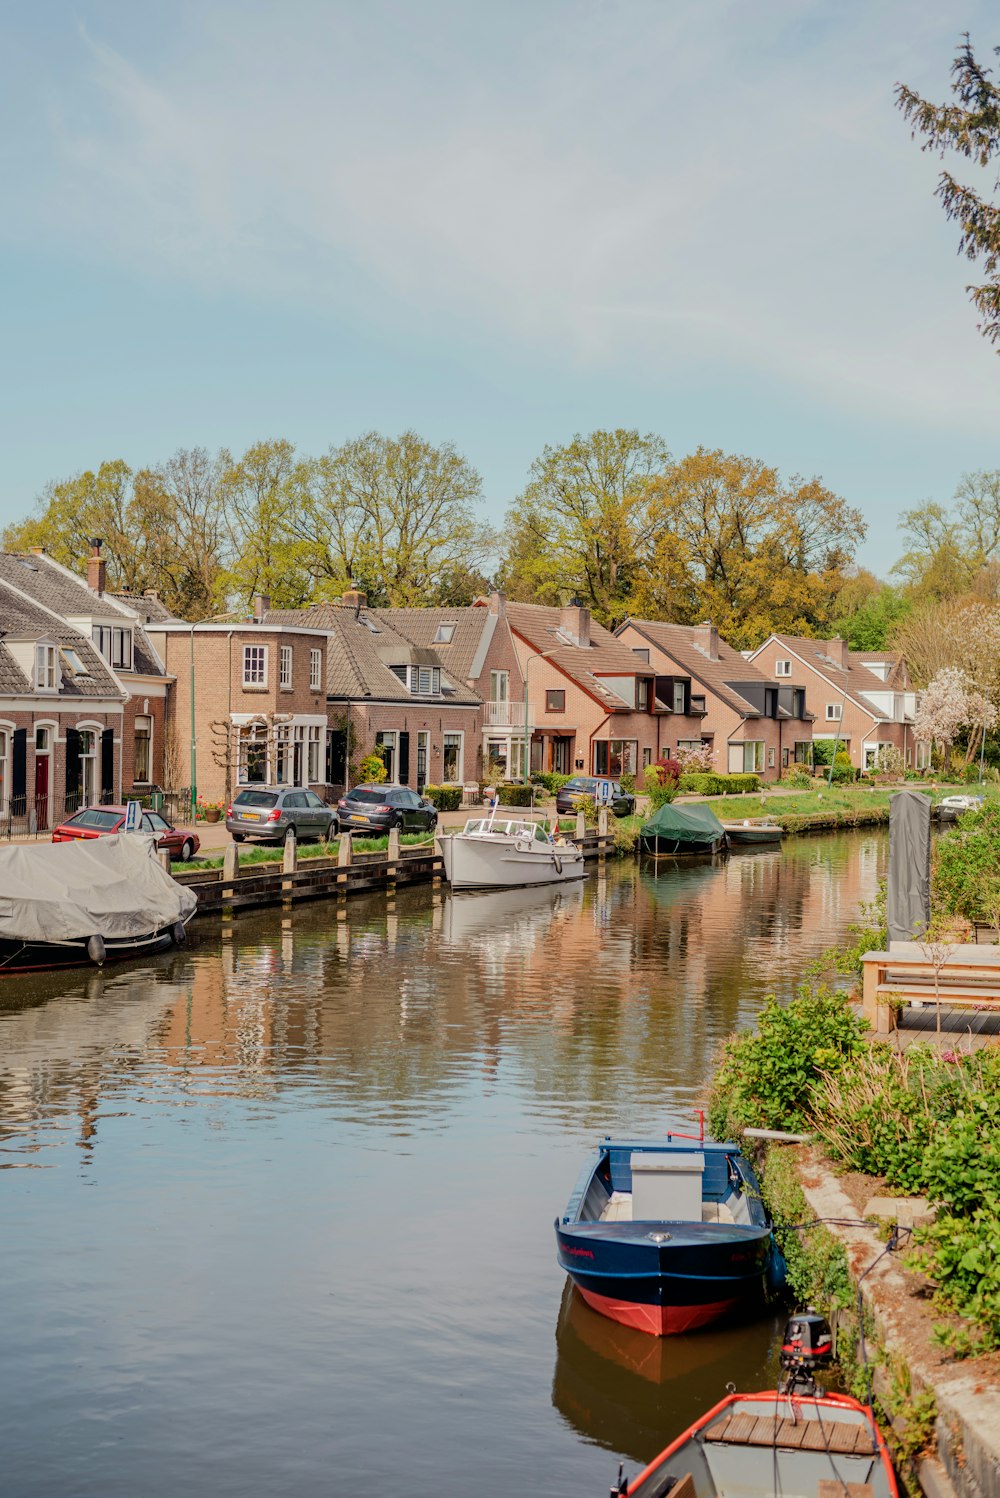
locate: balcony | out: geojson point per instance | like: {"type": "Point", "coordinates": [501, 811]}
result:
{"type": "Point", "coordinates": [503, 714]}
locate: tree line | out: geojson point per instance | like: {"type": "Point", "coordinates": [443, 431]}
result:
{"type": "Point", "coordinates": [610, 519]}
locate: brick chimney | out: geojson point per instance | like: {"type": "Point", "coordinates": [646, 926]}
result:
{"type": "Point", "coordinates": [261, 605]}
{"type": "Point", "coordinates": [151, 593]}
{"type": "Point", "coordinates": [836, 649]}
{"type": "Point", "coordinates": [706, 637]}
{"type": "Point", "coordinates": [97, 568]}
{"type": "Point", "coordinates": [354, 599]}
{"type": "Point", "coordinates": [498, 604]}
{"type": "Point", "coordinates": [574, 620]}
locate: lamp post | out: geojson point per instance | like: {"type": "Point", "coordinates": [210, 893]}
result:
{"type": "Point", "coordinates": [539, 655]}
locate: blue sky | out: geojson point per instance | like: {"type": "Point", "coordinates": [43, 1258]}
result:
{"type": "Point", "coordinates": [495, 223]}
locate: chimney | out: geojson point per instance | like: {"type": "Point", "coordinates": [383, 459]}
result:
{"type": "Point", "coordinates": [574, 620]}
{"type": "Point", "coordinates": [97, 568]}
{"type": "Point", "coordinates": [836, 649]}
{"type": "Point", "coordinates": [354, 599]}
{"type": "Point", "coordinates": [706, 637]}
{"type": "Point", "coordinates": [261, 605]}
{"type": "Point", "coordinates": [151, 593]}
{"type": "Point", "coordinates": [498, 604]}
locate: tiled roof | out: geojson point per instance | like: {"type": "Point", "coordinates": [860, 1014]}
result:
{"type": "Point", "coordinates": [150, 610]}
{"type": "Point", "coordinates": [358, 657]}
{"type": "Point", "coordinates": [898, 677]}
{"type": "Point", "coordinates": [540, 626]}
{"type": "Point", "coordinates": [855, 682]}
{"type": "Point", "coordinates": [53, 587]}
{"type": "Point", "coordinates": [21, 619]}
{"type": "Point", "coordinates": [681, 643]}
{"type": "Point", "coordinates": [12, 678]}
{"type": "Point", "coordinates": [421, 626]}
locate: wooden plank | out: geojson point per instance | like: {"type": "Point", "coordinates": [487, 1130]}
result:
{"type": "Point", "coordinates": [717, 1432]}
{"type": "Point", "coordinates": [791, 1434]}
{"type": "Point", "coordinates": [829, 1488]}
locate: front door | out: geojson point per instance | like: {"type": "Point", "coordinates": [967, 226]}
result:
{"type": "Point", "coordinates": [404, 759]}
{"type": "Point", "coordinates": [423, 742]}
{"type": "Point", "coordinates": [42, 786]}
{"type": "Point", "coordinates": [561, 755]}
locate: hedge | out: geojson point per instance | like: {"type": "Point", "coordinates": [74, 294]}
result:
{"type": "Point", "coordinates": [516, 795]}
{"type": "Point", "coordinates": [550, 781]}
{"type": "Point", "coordinates": [705, 783]}
{"type": "Point", "coordinates": [444, 797]}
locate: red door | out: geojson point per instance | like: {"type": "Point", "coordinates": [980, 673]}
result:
{"type": "Point", "coordinates": [42, 790]}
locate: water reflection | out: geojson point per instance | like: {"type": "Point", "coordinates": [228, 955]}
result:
{"type": "Point", "coordinates": [290, 1190]}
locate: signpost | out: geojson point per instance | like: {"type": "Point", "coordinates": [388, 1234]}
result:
{"type": "Point", "coordinates": [133, 816]}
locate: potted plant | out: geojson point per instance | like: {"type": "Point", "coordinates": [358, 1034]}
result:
{"type": "Point", "coordinates": [207, 811]}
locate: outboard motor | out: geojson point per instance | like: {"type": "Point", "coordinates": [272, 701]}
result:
{"type": "Point", "coordinates": [807, 1346]}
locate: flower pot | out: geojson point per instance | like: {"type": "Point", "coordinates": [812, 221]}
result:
{"type": "Point", "coordinates": [212, 813]}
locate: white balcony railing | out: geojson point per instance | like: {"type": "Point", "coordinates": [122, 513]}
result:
{"type": "Point", "coordinates": [504, 714]}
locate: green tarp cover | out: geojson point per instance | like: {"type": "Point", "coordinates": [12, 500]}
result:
{"type": "Point", "coordinates": [696, 825]}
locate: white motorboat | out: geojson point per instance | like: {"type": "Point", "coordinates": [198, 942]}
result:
{"type": "Point", "coordinates": [507, 851]}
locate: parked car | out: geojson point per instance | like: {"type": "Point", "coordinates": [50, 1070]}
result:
{"type": "Point", "coordinates": [600, 789]}
{"type": "Point", "coordinates": [270, 812]}
{"type": "Point", "coordinates": [379, 807]}
{"type": "Point", "coordinates": [101, 821]}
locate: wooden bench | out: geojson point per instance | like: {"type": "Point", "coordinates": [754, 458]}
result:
{"type": "Point", "coordinates": [842, 1437]}
{"type": "Point", "coordinates": [917, 973]}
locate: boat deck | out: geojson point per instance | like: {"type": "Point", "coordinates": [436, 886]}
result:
{"type": "Point", "coordinates": [840, 1437]}
{"type": "Point", "coordinates": [619, 1209]}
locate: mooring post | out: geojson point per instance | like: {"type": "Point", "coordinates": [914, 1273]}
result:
{"type": "Point", "coordinates": [581, 826]}
{"type": "Point", "coordinates": [289, 864]}
{"type": "Point", "coordinates": [344, 851]}
{"type": "Point", "coordinates": [230, 867]}
{"type": "Point", "coordinates": [602, 831]}
{"type": "Point", "coordinates": [392, 856]}
{"type": "Point", "coordinates": [164, 857]}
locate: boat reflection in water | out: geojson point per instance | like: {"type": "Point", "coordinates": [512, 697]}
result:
{"type": "Point", "coordinates": [632, 1393]}
{"type": "Point", "coordinates": [509, 914]}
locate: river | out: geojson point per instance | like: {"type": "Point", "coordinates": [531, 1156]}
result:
{"type": "Point", "coordinates": [277, 1210]}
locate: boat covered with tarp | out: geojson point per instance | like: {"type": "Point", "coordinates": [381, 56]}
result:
{"type": "Point", "coordinates": [675, 830]}
{"type": "Point", "coordinates": [87, 902]}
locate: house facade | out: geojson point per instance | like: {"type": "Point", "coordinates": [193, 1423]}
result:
{"type": "Point", "coordinates": [749, 723]}
{"type": "Point", "coordinates": [860, 701]}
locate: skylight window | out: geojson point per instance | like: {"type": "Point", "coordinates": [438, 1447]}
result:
{"type": "Point", "coordinates": [445, 633]}
{"type": "Point", "coordinates": [370, 624]}
{"type": "Point", "coordinates": [73, 661]}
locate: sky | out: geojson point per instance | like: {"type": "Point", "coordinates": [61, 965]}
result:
{"type": "Point", "coordinates": [497, 224]}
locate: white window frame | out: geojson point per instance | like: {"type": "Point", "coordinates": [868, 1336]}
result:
{"type": "Point", "coordinates": [6, 739]}
{"type": "Point", "coordinates": [738, 749]}
{"type": "Point", "coordinates": [782, 668]}
{"type": "Point", "coordinates": [454, 733]}
{"type": "Point", "coordinates": [679, 690]}
{"type": "Point", "coordinates": [313, 746]}
{"type": "Point", "coordinates": [285, 667]}
{"type": "Point", "coordinates": [47, 676]}
{"type": "Point", "coordinates": [834, 712]}
{"type": "Point", "coordinates": [390, 741]}
{"type": "Point", "coordinates": [89, 793]}
{"type": "Point", "coordinates": [315, 670]}
{"type": "Point", "coordinates": [121, 648]}
{"type": "Point", "coordinates": [445, 632]}
{"type": "Point", "coordinates": [499, 686]}
{"type": "Point", "coordinates": [136, 779]}
{"type": "Point", "coordinates": [251, 653]}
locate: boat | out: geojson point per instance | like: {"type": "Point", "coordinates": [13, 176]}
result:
{"type": "Point", "coordinates": [667, 1236]}
{"type": "Point", "coordinates": [795, 1440]}
{"type": "Point", "coordinates": [508, 851]}
{"type": "Point", "coordinates": [950, 808]}
{"type": "Point", "coordinates": [87, 903]}
{"type": "Point", "coordinates": [754, 834]}
{"type": "Point", "coordinates": [676, 830]}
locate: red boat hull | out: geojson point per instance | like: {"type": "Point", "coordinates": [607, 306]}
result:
{"type": "Point", "coordinates": [658, 1321]}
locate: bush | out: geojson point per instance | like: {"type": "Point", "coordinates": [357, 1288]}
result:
{"type": "Point", "coordinates": [550, 781]}
{"type": "Point", "coordinates": [371, 770]}
{"type": "Point", "coordinates": [966, 877]}
{"type": "Point", "coordinates": [799, 780]}
{"type": "Point", "coordinates": [627, 783]}
{"type": "Point", "coordinates": [738, 783]}
{"type": "Point", "coordinates": [659, 790]}
{"type": "Point", "coordinates": [444, 797]}
{"type": "Point", "coordinates": [701, 784]}
{"type": "Point", "coordinates": [516, 795]}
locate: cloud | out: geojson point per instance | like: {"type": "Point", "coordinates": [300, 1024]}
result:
{"type": "Point", "coordinates": [674, 188]}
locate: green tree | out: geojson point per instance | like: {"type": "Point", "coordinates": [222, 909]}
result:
{"type": "Point", "coordinates": [969, 127]}
{"type": "Point", "coordinates": [869, 623]}
{"type": "Point", "coordinates": [264, 553]}
{"type": "Point", "coordinates": [584, 524]}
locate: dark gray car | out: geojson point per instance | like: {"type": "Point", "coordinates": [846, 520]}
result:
{"type": "Point", "coordinates": [379, 807]}
{"type": "Point", "coordinates": [269, 812]}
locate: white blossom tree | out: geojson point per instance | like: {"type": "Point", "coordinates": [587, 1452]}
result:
{"type": "Point", "coordinates": [950, 703]}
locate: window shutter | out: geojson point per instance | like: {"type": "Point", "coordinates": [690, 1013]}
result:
{"type": "Point", "coordinates": [404, 759]}
{"type": "Point", "coordinates": [72, 769]}
{"type": "Point", "coordinates": [107, 765]}
{"type": "Point", "coordinates": [19, 768]}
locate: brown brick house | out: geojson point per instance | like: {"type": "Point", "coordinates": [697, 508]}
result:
{"type": "Point", "coordinates": [750, 723]}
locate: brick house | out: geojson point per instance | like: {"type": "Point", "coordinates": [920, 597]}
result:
{"type": "Point", "coordinates": [259, 704]}
{"type": "Point", "coordinates": [386, 693]}
{"type": "Point", "coordinates": [115, 625]}
{"type": "Point", "coordinates": [476, 647]}
{"type": "Point", "coordinates": [860, 700]}
{"type": "Point", "coordinates": [61, 714]}
{"type": "Point", "coordinates": [750, 723]}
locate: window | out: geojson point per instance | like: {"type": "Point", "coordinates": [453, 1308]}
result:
{"type": "Point", "coordinates": [282, 754]}
{"type": "Point", "coordinates": [615, 757]}
{"type": "Point", "coordinates": [782, 668]}
{"type": "Point", "coordinates": [642, 693]}
{"type": "Point", "coordinates": [445, 633]}
{"type": "Point", "coordinates": [385, 744]}
{"type": "Point", "coordinates": [694, 744]}
{"type": "Point", "coordinates": [643, 654]}
{"type": "Point", "coordinates": [555, 700]}
{"type": "Point", "coordinates": [46, 677]}
{"type": "Point", "coordinates": [834, 711]}
{"type": "Point", "coordinates": [251, 765]}
{"type": "Point", "coordinates": [679, 702]}
{"type": "Point", "coordinates": [647, 757]}
{"type": "Point", "coordinates": [88, 765]}
{"type": "Point", "coordinates": [499, 682]}
{"type": "Point", "coordinates": [4, 769]}
{"type": "Point", "coordinates": [425, 680]}
{"type": "Point", "coordinates": [72, 661]}
{"type": "Point", "coordinates": [255, 665]}
{"type": "Point", "coordinates": [770, 759]}
{"type": "Point", "coordinates": [803, 752]}
{"type": "Point", "coordinates": [746, 758]}
{"type": "Point", "coordinates": [312, 756]}
{"type": "Point", "coordinates": [315, 670]}
{"type": "Point", "coordinates": [121, 648]}
{"type": "Point", "coordinates": [142, 772]}
{"type": "Point", "coordinates": [285, 677]}
{"type": "Point", "coordinates": [697, 705]}
{"type": "Point", "coordinates": [451, 767]}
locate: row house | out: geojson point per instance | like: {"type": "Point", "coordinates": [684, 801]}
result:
{"type": "Point", "coordinates": [387, 691]}
{"type": "Point", "coordinates": [862, 701]}
{"type": "Point", "coordinates": [115, 624]}
{"type": "Point", "coordinates": [719, 700]}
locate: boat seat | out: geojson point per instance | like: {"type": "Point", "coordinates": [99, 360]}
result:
{"type": "Point", "coordinates": [683, 1487]}
{"type": "Point", "coordinates": [716, 1212]}
{"type": "Point", "coordinates": [618, 1208]}
{"type": "Point", "coordinates": [836, 1436]}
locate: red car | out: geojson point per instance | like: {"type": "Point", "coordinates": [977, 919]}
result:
{"type": "Point", "coordinates": [101, 821]}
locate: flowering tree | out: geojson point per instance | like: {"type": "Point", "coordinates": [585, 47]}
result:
{"type": "Point", "coordinates": [951, 702]}
{"type": "Point", "coordinates": [695, 761]}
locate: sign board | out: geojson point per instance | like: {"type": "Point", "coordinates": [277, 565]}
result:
{"type": "Point", "coordinates": [604, 791]}
{"type": "Point", "coordinates": [133, 816]}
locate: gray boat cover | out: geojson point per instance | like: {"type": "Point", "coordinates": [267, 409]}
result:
{"type": "Point", "coordinates": [908, 895]}
{"type": "Point", "coordinates": [113, 887]}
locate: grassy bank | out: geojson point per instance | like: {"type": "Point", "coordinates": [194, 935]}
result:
{"type": "Point", "coordinates": [271, 854]}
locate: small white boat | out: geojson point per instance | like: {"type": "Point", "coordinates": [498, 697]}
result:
{"type": "Point", "coordinates": [508, 851]}
{"type": "Point", "coordinates": [950, 808]}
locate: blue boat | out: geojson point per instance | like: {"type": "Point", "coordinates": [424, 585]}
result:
{"type": "Point", "coordinates": [666, 1236]}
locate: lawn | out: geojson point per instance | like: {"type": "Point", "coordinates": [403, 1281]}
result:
{"type": "Point", "coordinates": [271, 854]}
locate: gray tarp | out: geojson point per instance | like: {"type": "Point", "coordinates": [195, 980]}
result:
{"type": "Point", "coordinates": [104, 886]}
{"type": "Point", "coordinates": [908, 898]}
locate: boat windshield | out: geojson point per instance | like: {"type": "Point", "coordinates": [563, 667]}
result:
{"type": "Point", "coordinates": [483, 825]}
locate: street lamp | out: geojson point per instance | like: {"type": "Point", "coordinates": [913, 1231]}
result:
{"type": "Point", "coordinates": [539, 655]}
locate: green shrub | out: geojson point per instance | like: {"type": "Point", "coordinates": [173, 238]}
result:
{"type": "Point", "coordinates": [660, 791]}
{"type": "Point", "coordinates": [799, 780]}
{"type": "Point", "coordinates": [516, 795]}
{"type": "Point", "coordinates": [707, 783]}
{"type": "Point", "coordinates": [371, 770]}
{"type": "Point", "coordinates": [737, 783]}
{"type": "Point", "coordinates": [627, 783]}
{"type": "Point", "coordinates": [550, 781]}
{"type": "Point", "coordinates": [966, 877]}
{"type": "Point", "coordinates": [444, 797]}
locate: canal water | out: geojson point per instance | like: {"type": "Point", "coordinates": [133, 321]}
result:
{"type": "Point", "coordinates": [277, 1210]}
